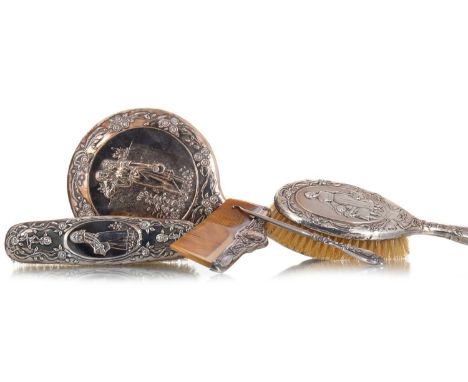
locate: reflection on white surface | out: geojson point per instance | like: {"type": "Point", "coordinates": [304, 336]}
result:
{"type": "Point", "coordinates": [319, 266]}
{"type": "Point", "coordinates": [175, 270]}
{"type": "Point", "coordinates": [187, 271]}
{"type": "Point", "coordinates": [221, 278]}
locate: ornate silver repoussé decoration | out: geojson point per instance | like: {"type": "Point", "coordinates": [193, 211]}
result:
{"type": "Point", "coordinates": [248, 239]}
{"type": "Point", "coordinates": [144, 162]}
{"type": "Point", "coordinates": [351, 212]}
{"type": "Point", "coordinates": [94, 240]}
{"type": "Point", "coordinates": [340, 209]}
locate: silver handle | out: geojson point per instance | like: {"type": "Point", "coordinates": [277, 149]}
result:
{"type": "Point", "coordinates": [454, 233]}
{"type": "Point", "coordinates": [360, 254]}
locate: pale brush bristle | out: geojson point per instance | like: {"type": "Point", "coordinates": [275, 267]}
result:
{"type": "Point", "coordinates": [393, 249]}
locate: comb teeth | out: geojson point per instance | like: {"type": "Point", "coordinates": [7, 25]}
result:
{"type": "Point", "coordinates": [224, 236]}
{"type": "Point", "coordinates": [390, 250]}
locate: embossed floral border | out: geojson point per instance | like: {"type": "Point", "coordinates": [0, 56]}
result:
{"type": "Point", "coordinates": [209, 195]}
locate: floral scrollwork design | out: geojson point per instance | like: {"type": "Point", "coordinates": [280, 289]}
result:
{"type": "Point", "coordinates": [200, 182]}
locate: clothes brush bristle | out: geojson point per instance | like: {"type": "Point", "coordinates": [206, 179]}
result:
{"type": "Point", "coordinates": [390, 250]}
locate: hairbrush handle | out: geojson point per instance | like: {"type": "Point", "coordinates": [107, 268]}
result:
{"type": "Point", "coordinates": [451, 232]}
{"type": "Point", "coordinates": [360, 254]}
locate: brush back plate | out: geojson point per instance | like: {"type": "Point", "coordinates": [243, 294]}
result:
{"type": "Point", "coordinates": [97, 240]}
{"type": "Point", "coordinates": [343, 210]}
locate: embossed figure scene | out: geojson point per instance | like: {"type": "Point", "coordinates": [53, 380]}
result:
{"type": "Point", "coordinates": [163, 190]}
{"type": "Point", "coordinates": [123, 173]}
{"type": "Point", "coordinates": [351, 204]}
{"type": "Point", "coordinates": [119, 240]}
{"type": "Point", "coordinates": [102, 242]}
{"type": "Point", "coordinates": [133, 169]}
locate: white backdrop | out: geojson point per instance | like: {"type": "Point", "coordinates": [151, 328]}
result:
{"type": "Point", "coordinates": [370, 93]}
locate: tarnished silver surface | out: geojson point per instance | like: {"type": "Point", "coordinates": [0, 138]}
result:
{"type": "Point", "coordinates": [249, 239]}
{"type": "Point", "coordinates": [147, 163]}
{"type": "Point", "coordinates": [351, 212]}
{"type": "Point", "coordinates": [94, 240]}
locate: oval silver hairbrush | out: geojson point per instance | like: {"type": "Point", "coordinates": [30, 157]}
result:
{"type": "Point", "coordinates": [353, 213]}
{"type": "Point", "coordinates": [94, 240]}
{"type": "Point", "coordinates": [350, 215]}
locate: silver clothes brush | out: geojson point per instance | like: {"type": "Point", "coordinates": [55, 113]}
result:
{"type": "Point", "coordinates": [94, 240]}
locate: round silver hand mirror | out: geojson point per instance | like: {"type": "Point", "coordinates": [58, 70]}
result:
{"type": "Point", "coordinates": [146, 163]}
